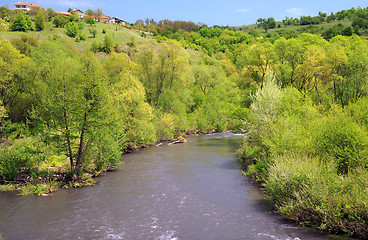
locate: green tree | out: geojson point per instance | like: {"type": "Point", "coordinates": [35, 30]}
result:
{"type": "Point", "coordinates": [107, 45]}
{"type": "Point", "coordinates": [40, 21]}
{"type": "Point", "coordinates": [256, 61]}
{"type": "Point", "coordinates": [60, 20]}
{"type": "Point", "coordinates": [93, 32]}
{"type": "Point", "coordinates": [314, 72]}
{"type": "Point", "coordinates": [15, 69]}
{"type": "Point", "coordinates": [98, 14]}
{"type": "Point", "coordinates": [21, 23]}
{"type": "Point", "coordinates": [135, 114]}
{"type": "Point", "coordinates": [288, 55]}
{"type": "Point", "coordinates": [50, 14]}
{"type": "Point", "coordinates": [89, 12]}
{"type": "Point", "coordinates": [91, 21]}
{"type": "Point", "coordinates": [75, 104]}
{"type": "Point", "coordinates": [72, 29]}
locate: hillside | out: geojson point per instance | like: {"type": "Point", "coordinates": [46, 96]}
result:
{"type": "Point", "coordinates": [120, 35]}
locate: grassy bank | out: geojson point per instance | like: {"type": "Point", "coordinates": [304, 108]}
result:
{"type": "Point", "coordinates": [311, 159]}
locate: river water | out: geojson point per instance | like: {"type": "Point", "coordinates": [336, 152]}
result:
{"type": "Point", "coordinates": [189, 191]}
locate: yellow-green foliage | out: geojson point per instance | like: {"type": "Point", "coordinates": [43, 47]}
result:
{"type": "Point", "coordinates": [312, 160]}
{"type": "Point", "coordinates": [4, 26]}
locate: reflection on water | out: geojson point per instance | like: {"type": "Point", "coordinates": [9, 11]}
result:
{"type": "Point", "coordinates": [177, 192]}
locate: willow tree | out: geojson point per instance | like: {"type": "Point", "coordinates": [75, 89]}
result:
{"type": "Point", "coordinates": [256, 61]}
{"type": "Point", "coordinates": [15, 79]}
{"type": "Point", "coordinates": [128, 95]}
{"type": "Point", "coordinates": [75, 107]}
{"type": "Point", "coordinates": [163, 69]}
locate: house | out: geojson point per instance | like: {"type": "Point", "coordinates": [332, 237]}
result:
{"type": "Point", "coordinates": [104, 19]}
{"type": "Point", "coordinates": [79, 13]}
{"type": "Point", "coordinates": [116, 21]}
{"type": "Point", "coordinates": [64, 13]}
{"type": "Point", "coordinates": [25, 6]}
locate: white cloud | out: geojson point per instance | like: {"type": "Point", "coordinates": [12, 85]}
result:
{"type": "Point", "coordinates": [242, 10]}
{"type": "Point", "coordinates": [295, 11]}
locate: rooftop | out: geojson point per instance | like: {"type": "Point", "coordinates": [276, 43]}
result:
{"type": "Point", "coordinates": [29, 4]}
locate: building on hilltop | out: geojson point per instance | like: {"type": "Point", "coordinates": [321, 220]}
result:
{"type": "Point", "coordinates": [117, 21]}
{"type": "Point", "coordinates": [25, 6]}
{"type": "Point", "coordinates": [64, 13]}
{"type": "Point", "coordinates": [79, 13]}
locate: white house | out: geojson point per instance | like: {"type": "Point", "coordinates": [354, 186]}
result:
{"type": "Point", "coordinates": [79, 13]}
{"type": "Point", "coordinates": [25, 6]}
{"type": "Point", "coordinates": [116, 21]}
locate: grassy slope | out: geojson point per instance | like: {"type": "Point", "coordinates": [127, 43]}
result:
{"type": "Point", "coordinates": [119, 35]}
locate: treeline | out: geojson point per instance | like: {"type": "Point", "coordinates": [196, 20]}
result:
{"type": "Point", "coordinates": [308, 133]}
{"type": "Point", "coordinates": [311, 158]}
{"type": "Point", "coordinates": [72, 111]}
{"type": "Point", "coordinates": [351, 14]}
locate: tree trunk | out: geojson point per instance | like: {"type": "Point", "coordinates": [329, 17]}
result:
{"type": "Point", "coordinates": [80, 149]}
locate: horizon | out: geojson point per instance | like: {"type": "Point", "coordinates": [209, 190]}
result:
{"type": "Point", "coordinates": [233, 13]}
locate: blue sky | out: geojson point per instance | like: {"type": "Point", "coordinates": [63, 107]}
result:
{"type": "Point", "coordinates": [210, 12]}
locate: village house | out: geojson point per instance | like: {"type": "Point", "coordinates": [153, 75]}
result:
{"type": "Point", "coordinates": [79, 13]}
{"type": "Point", "coordinates": [64, 13]}
{"type": "Point", "coordinates": [25, 6]}
{"type": "Point", "coordinates": [117, 21]}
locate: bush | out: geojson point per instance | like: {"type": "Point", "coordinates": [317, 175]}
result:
{"type": "Point", "coordinates": [93, 32]}
{"type": "Point", "coordinates": [72, 29]}
{"type": "Point", "coordinates": [25, 44]}
{"type": "Point", "coordinates": [313, 194]}
{"type": "Point", "coordinates": [60, 20]}
{"type": "Point", "coordinates": [24, 155]}
{"type": "Point", "coordinates": [95, 47]}
{"type": "Point", "coordinates": [82, 36]}
{"type": "Point", "coordinates": [265, 101]}
{"type": "Point", "coordinates": [21, 23]}
{"type": "Point", "coordinates": [4, 26]}
{"type": "Point", "coordinates": [107, 44]}
{"type": "Point", "coordinates": [343, 140]}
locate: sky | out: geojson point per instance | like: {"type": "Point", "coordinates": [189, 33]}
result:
{"type": "Point", "coordinates": [210, 12]}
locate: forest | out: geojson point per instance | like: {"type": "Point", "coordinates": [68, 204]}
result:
{"type": "Point", "coordinates": [75, 96]}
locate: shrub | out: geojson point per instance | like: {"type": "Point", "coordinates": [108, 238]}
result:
{"type": "Point", "coordinates": [93, 32]}
{"type": "Point", "coordinates": [60, 20]}
{"type": "Point", "coordinates": [265, 101]}
{"type": "Point", "coordinates": [25, 43]}
{"type": "Point", "coordinates": [104, 31]}
{"type": "Point", "coordinates": [82, 36]}
{"type": "Point", "coordinates": [95, 47]}
{"type": "Point", "coordinates": [343, 140]}
{"type": "Point", "coordinates": [24, 154]}
{"type": "Point", "coordinates": [21, 23]}
{"type": "Point", "coordinates": [4, 26]}
{"type": "Point", "coordinates": [90, 21]}
{"type": "Point", "coordinates": [72, 29]}
{"type": "Point", "coordinates": [107, 45]}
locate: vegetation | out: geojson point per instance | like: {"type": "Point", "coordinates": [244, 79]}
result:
{"type": "Point", "coordinates": [69, 108]}
{"type": "Point", "coordinates": [68, 114]}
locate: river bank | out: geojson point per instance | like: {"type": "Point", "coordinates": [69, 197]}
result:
{"type": "Point", "coordinates": [51, 178]}
{"type": "Point", "coordinates": [183, 191]}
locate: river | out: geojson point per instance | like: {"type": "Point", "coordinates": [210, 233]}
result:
{"type": "Point", "coordinates": [189, 191]}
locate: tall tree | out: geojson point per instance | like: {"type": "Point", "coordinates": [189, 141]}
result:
{"type": "Point", "coordinates": [99, 14]}
{"type": "Point", "coordinates": [40, 21]}
{"type": "Point", "coordinates": [74, 102]}
{"type": "Point", "coordinates": [15, 71]}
